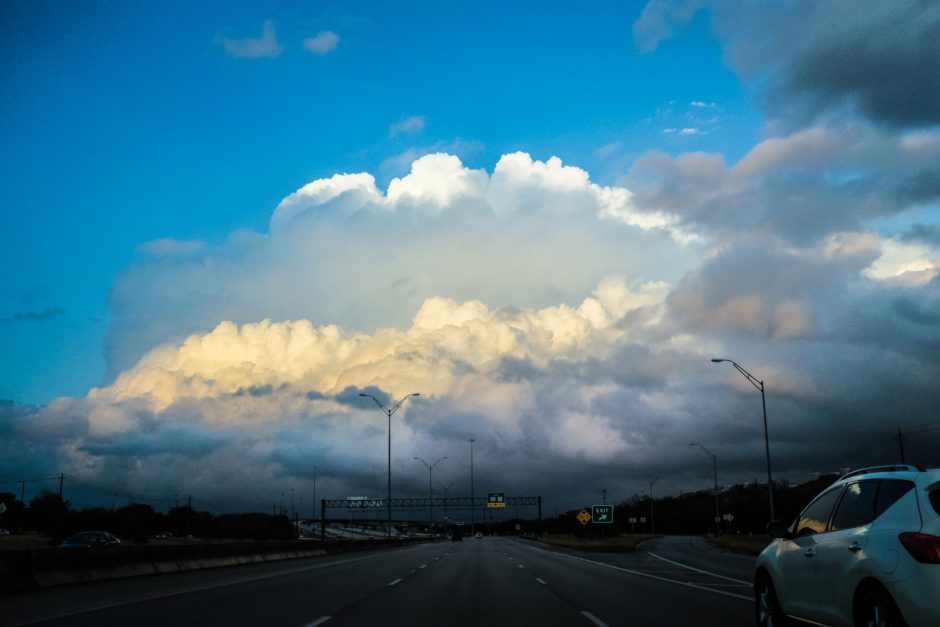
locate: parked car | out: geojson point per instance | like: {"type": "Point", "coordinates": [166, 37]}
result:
{"type": "Point", "coordinates": [90, 540]}
{"type": "Point", "coordinates": [866, 551]}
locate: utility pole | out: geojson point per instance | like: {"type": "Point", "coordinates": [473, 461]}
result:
{"type": "Point", "coordinates": [61, 485]}
{"type": "Point", "coordinates": [900, 438]}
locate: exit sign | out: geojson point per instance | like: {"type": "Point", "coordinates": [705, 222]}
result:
{"type": "Point", "coordinates": [602, 514]}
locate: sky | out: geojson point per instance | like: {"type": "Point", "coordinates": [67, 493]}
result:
{"type": "Point", "coordinates": [223, 222]}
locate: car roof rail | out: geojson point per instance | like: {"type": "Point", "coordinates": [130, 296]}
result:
{"type": "Point", "coordinates": [892, 468]}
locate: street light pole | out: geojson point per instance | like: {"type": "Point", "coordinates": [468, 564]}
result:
{"type": "Point", "coordinates": [652, 518]}
{"type": "Point", "coordinates": [389, 412]}
{"type": "Point", "coordinates": [430, 468]}
{"type": "Point", "coordinates": [315, 492]}
{"type": "Point", "coordinates": [715, 460]}
{"type": "Point", "coordinates": [445, 488]}
{"type": "Point", "coordinates": [472, 513]}
{"type": "Point", "coordinates": [760, 386]}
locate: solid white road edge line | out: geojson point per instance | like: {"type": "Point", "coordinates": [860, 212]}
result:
{"type": "Point", "coordinates": [648, 576]}
{"type": "Point", "coordinates": [699, 570]}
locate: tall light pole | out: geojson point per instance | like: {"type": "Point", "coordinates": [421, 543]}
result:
{"type": "Point", "coordinates": [652, 514]}
{"type": "Point", "coordinates": [389, 412]}
{"type": "Point", "coordinates": [760, 386]}
{"type": "Point", "coordinates": [315, 492]}
{"type": "Point", "coordinates": [715, 460]}
{"type": "Point", "coordinates": [472, 516]}
{"type": "Point", "coordinates": [430, 468]}
{"type": "Point", "coordinates": [445, 488]}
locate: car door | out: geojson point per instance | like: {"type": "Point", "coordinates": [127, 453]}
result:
{"type": "Point", "coordinates": [842, 549]}
{"type": "Point", "coordinates": [796, 557]}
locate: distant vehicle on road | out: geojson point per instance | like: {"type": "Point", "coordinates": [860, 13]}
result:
{"type": "Point", "coordinates": [4, 532]}
{"type": "Point", "coordinates": [90, 540]}
{"type": "Point", "coordinates": [864, 552]}
{"type": "Point", "coordinates": [478, 535]}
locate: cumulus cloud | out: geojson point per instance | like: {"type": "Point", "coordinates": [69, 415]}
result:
{"type": "Point", "coordinates": [265, 46]}
{"type": "Point", "coordinates": [567, 326]}
{"type": "Point", "coordinates": [324, 42]}
{"type": "Point", "coordinates": [342, 250]}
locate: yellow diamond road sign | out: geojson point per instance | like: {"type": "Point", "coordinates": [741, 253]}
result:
{"type": "Point", "coordinates": [584, 517]}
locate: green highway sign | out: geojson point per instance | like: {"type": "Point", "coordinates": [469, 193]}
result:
{"type": "Point", "coordinates": [602, 514]}
{"type": "Point", "coordinates": [496, 499]}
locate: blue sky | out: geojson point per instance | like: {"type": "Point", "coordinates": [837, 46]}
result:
{"type": "Point", "coordinates": [126, 123]}
{"type": "Point", "coordinates": [732, 179]}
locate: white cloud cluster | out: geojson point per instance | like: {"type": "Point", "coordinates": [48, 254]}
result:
{"type": "Point", "coordinates": [446, 342]}
{"type": "Point", "coordinates": [323, 42]}
{"type": "Point", "coordinates": [265, 45]}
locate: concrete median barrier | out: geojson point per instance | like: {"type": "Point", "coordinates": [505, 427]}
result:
{"type": "Point", "coordinates": [42, 568]}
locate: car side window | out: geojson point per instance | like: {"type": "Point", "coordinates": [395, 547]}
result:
{"type": "Point", "coordinates": [890, 492]}
{"type": "Point", "coordinates": [815, 518]}
{"type": "Point", "coordinates": [857, 506]}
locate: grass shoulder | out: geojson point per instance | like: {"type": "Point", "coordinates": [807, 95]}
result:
{"type": "Point", "coordinates": [749, 544]}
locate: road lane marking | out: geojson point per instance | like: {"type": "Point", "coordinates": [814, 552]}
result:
{"type": "Point", "coordinates": [648, 576]}
{"type": "Point", "coordinates": [392, 583]}
{"type": "Point", "coordinates": [319, 621]}
{"type": "Point", "coordinates": [520, 565]}
{"type": "Point", "coordinates": [699, 570]}
{"type": "Point", "coordinates": [213, 586]}
{"type": "Point", "coordinates": [421, 567]}
{"type": "Point", "coordinates": [593, 619]}
{"type": "Point", "coordinates": [541, 581]}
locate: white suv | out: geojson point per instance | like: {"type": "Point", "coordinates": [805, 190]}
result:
{"type": "Point", "coordinates": [865, 552]}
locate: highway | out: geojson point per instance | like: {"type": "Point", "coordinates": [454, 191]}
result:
{"type": "Point", "coordinates": [488, 581]}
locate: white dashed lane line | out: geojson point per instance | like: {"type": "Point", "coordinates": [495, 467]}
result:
{"type": "Point", "coordinates": [319, 621]}
{"type": "Point", "coordinates": [396, 581]}
{"type": "Point", "coordinates": [540, 580]}
{"type": "Point", "coordinates": [593, 619]}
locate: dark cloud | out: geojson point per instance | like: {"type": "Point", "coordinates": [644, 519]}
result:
{"type": "Point", "coordinates": [926, 233]}
{"type": "Point", "coordinates": [878, 58]}
{"type": "Point", "coordinates": [801, 187]}
{"type": "Point", "coordinates": [823, 58]}
{"type": "Point", "coordinates": [44, 315]}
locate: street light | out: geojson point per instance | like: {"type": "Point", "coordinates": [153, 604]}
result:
{"type": "Point", "coordinates": [389, 412]}
{"type": "Point", "coordinates": [430, 468]}
{"type": "Point", "coordinates": [652, 519]}
{"type": "Point", "coordinates": [760, 386]}
{"type": "Point", "coordinates": [715, 460]}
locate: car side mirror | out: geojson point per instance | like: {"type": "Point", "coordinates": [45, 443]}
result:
{"type": "Point", "coordinates": [779, 529]}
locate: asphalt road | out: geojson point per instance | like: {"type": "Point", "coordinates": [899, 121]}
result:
{"type": "Point", "coordinates": [489, 581]}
